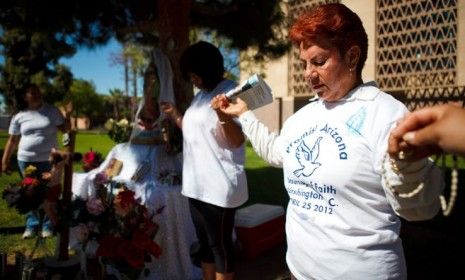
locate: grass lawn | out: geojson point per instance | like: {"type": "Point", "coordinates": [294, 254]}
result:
{"type": "Point", "coordinates": [265, 186]}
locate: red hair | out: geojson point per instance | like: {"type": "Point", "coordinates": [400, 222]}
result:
{"type": "Point", "coordinates": [335, 23]}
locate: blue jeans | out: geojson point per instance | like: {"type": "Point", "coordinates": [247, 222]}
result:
{"type": "Point", "coordinates": [33, 221]}
{"type": "Point", "coordinates": [33, 217]}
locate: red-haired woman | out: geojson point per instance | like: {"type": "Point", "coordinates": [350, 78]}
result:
{"type": "Point", "coordinates": [346, 193]}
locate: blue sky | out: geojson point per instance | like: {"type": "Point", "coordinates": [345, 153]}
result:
{"type": "Point", "coordinates": [95, 65]}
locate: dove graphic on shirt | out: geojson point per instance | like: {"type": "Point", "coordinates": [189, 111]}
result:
{"type": "Point", "coordinates": [307, 158]}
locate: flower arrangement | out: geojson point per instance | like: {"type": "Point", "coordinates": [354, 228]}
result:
{"type": "Point", "coordinates": [119, 131]}
{"type": "Point", "coordinates": [115, 227]}
{"type": "Point", "coordinates": [91, 160]}
{"type": "Point", "coordinates": [28, 194]}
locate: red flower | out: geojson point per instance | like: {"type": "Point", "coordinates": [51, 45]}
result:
{"type": "Point", "coordinates": [126, 198]}
{"type": "Point", "coordinates": [89, 157]}
{"type": "Point", "coordinates": [142, 241]}
{"type": "Point", "coordinates": [124, 202]}
{"type": "Point", "coordinates": [132, 254]}
{"type": "Point", "coordinates": [28, 181]}
{"type": "Point", "coordinates": [91, 160]}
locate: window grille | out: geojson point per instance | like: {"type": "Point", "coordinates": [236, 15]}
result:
{"type": "Point", "coordinates": [416, 46]}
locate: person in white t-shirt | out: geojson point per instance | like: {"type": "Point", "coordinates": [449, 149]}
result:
{"type": "Point", "coordinates": [345, 191]}
{"type": "Point", "coordinates": [213, 160]}
{"type": "Point", "coordinates": [33, 130]}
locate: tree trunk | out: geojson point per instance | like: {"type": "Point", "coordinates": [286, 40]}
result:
{"type": "Point", "coordinates": [173, 26]}
{"type": "Point", "coordinates": [66, 198]}
{"type": "Point", "coordinates": [126, 81]}
{"type": "Point", "coordinates": [134, 93]}
{"type": "Point", "coordinates": [115, 109]}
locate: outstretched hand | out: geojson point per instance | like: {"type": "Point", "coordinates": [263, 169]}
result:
{"type": "Point", "coordinates": [58, 159]}
{"type": "Point", "coordinates": [231, 108]}
{"type": "Point", "coordinates": [429, 131]}
{"type": "Point", "coordinates": [167, 107]}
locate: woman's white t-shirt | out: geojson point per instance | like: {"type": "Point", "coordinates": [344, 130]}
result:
{"type": "Point", "coordinates": [38, 131]}
{"type": "Point", "coordinates": [341, 220]}
{"type": "Point", "coordinates": [212, 171]}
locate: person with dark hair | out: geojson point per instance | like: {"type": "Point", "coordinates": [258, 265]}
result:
{"type": "Point", "coordinates": [213, 160]}
{"type": "Point", "coordinates": [204, 61]}
{"type": "Point", "coordinates": [346, 192]}
{"type": "Point", "coordinates": [33, 130]}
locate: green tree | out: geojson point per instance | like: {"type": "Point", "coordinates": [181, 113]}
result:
{"type": "Point", "coordinates": [36, 34]}
{"type": "Point", "coordinates": [137, 62]}
{"type": "Point", "coordinates": [64, 25]}
{"type": "Point", "coordinates": [133, 58]}
{"type": "Point", "coordinates": [86, 102]}
{"type": "Point", "coordinates": [116, 98]}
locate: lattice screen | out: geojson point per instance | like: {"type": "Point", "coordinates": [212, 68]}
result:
{"type": "Point", "coordinates": [416, 48]}
{"type": "Point", "coordinates": [297, 85]}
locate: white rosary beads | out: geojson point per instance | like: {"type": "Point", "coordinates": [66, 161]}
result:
{"type": "Point", "coordinates": [447, 207]}
{"type": "Point", "coordinates": [395, 168]}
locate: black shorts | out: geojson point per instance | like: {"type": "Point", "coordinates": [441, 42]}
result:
{"type": "Point", "coordinates": [214, 227]}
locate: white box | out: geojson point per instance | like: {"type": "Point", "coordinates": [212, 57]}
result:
{"type": "Point", "coordinates": [259, 228]}
{"type": "Point", "coordinates": [256, 214]}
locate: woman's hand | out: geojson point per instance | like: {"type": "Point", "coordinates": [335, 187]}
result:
{"type": "Point", "coordinates": [226, 111]}
{"type": "Point", "coordinates": [5, 168]}
{"type": "Point", "coordinates": [223, 104]}
{"type": "Point", "coordinates": [10, 147]}
{"type": "Point", "coordinates": [167, 108]}
{"type": "Point", "coordinates": [171, 110]}
{"type": "Point", "coordinates": [429, 131]}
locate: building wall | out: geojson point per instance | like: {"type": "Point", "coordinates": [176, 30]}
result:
{"type": "Point", "coordinates": [461, 43]}
{"type": "Point", "coordinates": [275, 75]}
{"type": "Point", "coordinates": [80, 123]}
{"type": "Point", "coordinates": [366, 10]}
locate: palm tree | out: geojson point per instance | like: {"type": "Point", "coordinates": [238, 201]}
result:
{"type": "Point", "coordinates": [116, 97]}
{"type": "Point", "coordinates": [133, 58]}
